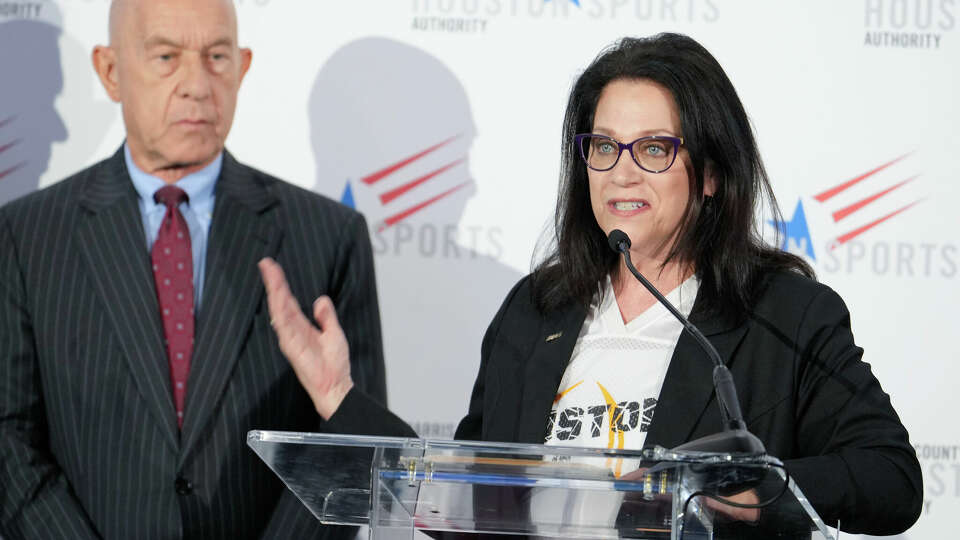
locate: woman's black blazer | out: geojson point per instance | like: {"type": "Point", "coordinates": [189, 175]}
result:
{"type": "Point", "coordinates": [803, 386]}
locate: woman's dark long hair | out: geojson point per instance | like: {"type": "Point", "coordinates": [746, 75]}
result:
{"type": "Point", "coordinates": [718, 234]}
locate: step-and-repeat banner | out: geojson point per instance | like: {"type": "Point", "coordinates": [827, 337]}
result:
{"type": "Point", "coordinates": [440, 121]}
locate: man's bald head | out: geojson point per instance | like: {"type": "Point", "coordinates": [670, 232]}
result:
{"type": "Point", "coordinates": [123, 13]}
{"type": "Point", "coordinates": [119, 9]}
{"type": "Point", "coordinates": [175, 67]}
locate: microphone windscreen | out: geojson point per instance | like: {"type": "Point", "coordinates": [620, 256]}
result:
{"type": "Point", "coordinates": [618, 238]}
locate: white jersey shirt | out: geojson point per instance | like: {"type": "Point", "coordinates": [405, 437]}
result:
{"type": "Point", "coordinates": [609, 390]}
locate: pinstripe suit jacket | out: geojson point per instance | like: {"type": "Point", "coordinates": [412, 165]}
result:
{"type": "Point", "coordinates": [89, 445]}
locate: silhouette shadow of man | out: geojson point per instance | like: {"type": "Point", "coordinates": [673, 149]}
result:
{"type": "Point", "coordinates": [29, 123]}
{"type": "Point", "coordinates": [391, 130]}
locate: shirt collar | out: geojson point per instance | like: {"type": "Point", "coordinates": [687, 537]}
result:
{"type": "Point", "coordinates": [682, 297]}
{"type": "Point", "coordinates": [198, 185]}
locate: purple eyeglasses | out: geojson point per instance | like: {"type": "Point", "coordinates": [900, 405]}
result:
{"type": "Point", "coordinates": [653, 154]}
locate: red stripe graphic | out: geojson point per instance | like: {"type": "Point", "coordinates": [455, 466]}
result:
{"type": "Point", "coordinates": [5, 147]}
{"type": "Point", "coordinates": [398, 191]}
{"type": "Point", "coordinates": [12, 169]}
{"type": "Point", "coordinates": [398, 217]}
{"type": "Point", "coordinates": [382, 173]}
{"type": "Point", "coordinates": [843, 239]}
{"type": "Point", "coordinates": [834, 191]}
{"type": "Point", "coordinates": [844, 212]}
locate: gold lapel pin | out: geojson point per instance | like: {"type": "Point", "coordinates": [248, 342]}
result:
{"type": "Point", "coordinates": [552, 337]}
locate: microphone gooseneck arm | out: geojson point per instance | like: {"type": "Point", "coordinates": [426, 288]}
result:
{"type": "Point", "coordinates": [730, 413]}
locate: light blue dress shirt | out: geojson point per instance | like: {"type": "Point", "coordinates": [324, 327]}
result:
{"type": "Point", "coordinates": [198, 211]}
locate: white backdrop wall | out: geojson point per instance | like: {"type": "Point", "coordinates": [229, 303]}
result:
{"type": "Point", "coordinates": [466, 98]}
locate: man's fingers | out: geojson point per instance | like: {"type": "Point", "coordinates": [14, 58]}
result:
{"type": "Point", "coordinates": [275, 283]}
{"type": "Point", "coordinates": [272, 274]}
{"type": "Point", "coordinates": [320, 358]}
{"type": "Point", "coordinates": [284, 309]}
{"type": "Point", "coordinates": [326, 315]}
{"type": "Point", "coordinates": [285, 315]}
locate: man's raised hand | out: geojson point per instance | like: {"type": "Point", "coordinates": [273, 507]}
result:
{"type": "Point", "coordinates": [319, 357]}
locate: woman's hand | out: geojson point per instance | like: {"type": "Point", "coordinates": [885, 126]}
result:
{"type": "Point", "coordinates": [749, 515]}
{"type": "Point", "coordinates": [320, 358]}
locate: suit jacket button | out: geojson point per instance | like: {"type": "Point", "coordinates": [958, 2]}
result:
{"type": "Point", "coordinates": [183, 486]}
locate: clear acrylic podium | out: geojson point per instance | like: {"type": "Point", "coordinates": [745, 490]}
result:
{"type": "Point", "coordinates": [441, 487]}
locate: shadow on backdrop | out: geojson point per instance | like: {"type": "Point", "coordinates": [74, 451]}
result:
{"type": "Point", "coordinates": [391, 131]}
{"type": "Point", "coordinates": [41, 66]}
{"type": "Point", "coordinates": [29, 123]}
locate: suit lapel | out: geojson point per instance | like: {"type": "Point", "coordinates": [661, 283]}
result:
{"type": "Point", "coordinates": [243, 231]}
{"type": "Point", "coordinates": [688, 385]}
{"type": "Point", "coordinates": [111, 237]}
{"type": "Point", "coordinates": [551, 354]}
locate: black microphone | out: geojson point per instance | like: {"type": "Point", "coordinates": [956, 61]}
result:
{"type": "Point", "coordinates": [734, 438]}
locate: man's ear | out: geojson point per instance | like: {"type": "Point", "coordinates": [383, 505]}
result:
{"type": "Point", "coordinates": [246, 56]}
{"type": "Point", "coordinates": [105, 64]}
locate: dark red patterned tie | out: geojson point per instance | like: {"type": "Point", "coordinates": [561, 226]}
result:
{"type": "Point", "coordinates": [173, 273]}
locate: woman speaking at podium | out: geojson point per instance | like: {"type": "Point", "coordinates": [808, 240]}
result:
{"type": "Point", "coordinates": [656, 143]}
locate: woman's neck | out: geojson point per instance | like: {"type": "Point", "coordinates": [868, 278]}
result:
{"type": "Point", "coordinates": [633, 298]}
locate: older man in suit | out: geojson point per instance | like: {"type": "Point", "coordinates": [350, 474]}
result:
{"type": "Point", "coordinates": [135, 346]}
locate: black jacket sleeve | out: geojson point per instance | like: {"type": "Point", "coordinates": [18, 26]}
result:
{"type": "Point", "coordinates": [470, 427]}
{"type": "Point", "coordinates": [354, 293]}
{"type": "Point", "coordinates": [859, 467]}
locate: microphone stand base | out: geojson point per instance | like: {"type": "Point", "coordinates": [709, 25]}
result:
{"type": "Point", "coordinates": [737, 441]}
